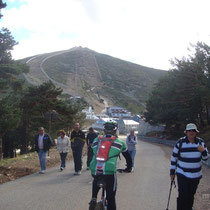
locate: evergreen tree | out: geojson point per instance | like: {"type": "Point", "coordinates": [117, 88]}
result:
{"type": "Point", "coordinates": [2, 6]}
{"type": "Point", "coordinates": [42, 107]}
{"type": "Point", "coordinates": [10, 115]}
{"type": "Point", "coordinates": [183, 95]}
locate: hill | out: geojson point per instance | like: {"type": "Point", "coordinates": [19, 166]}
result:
{"type": "Point", "coordinates": [94, 76]}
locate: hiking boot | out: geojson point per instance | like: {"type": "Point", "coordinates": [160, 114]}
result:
{"type": "Point", "coordinates": [92, 204]}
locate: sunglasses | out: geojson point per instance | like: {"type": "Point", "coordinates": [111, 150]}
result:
{"type": "Point", "coordinates": [193, 130]}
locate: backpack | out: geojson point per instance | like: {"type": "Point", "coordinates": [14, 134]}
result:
{"type": "Point", "coordinates": [104, 145]}
{"type": "Point", "coordinates": [102, 155]}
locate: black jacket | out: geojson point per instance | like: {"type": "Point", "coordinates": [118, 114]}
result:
{"type": "Point", "coordinates": [77, 139]}
{"type": "Point", "coordinates": [90, 137]}
{"type": "Point", "coordinates": [46, 142]}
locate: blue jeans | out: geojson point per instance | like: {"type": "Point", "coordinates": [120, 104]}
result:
{"type": "Point", "coordinates": [132, 154]}
{"type": "Point", "coordinates": [63, 159]}
{"type": "Point", "coordinates": [42, 158]}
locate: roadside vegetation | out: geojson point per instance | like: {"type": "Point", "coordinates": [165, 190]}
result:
{"type": "Point", "coordinates": [24, 108]}
{"type": "Point", "coordinates": [183, 95]}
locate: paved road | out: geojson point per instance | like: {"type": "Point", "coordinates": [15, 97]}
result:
{"type": "Point", "coordinates": [145, 189]}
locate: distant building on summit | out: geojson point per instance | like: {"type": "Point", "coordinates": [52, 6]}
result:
{"type": "Point", "coordinates": [118, 112]}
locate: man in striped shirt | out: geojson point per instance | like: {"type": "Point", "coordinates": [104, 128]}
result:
{"type": "Point", "coordinates": [186, 163]}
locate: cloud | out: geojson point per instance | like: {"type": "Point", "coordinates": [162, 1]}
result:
{"type": "Point", "coordinates": [147, 32]}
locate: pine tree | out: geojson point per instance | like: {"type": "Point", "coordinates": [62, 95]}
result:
{"type": "Point", "coordinates": [183, 95]}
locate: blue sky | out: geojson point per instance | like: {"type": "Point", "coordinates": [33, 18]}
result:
{"type": "Point", "coordinates": [14, 4]}
{"type": "Point", "coordinates": [147, 32]}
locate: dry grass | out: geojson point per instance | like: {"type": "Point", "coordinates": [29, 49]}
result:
{"type": "Point", "coordinates": [11, 169]}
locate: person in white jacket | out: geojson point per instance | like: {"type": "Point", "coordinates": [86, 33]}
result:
{"type": "Point", "coordinates": [131, 142]}
{"type": "Point", "coordinates": [63, 145]}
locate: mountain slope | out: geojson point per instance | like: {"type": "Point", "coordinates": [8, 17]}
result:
{"type": "Point", "coordinates": [84, 72]}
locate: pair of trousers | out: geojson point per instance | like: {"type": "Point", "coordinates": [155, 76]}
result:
{"type": "Point", "coordinates": [63, 159]}
{"type": "Point", "coordinates": [111, 188]}
{"type": "Point", "coordinates": [132, 154]}
{"type": "Point", "coordinates": [187, 189]}
{"type": "Point", "coordinates": [89, 156]}
{"type": "Point", "coordinates": [77, 155]}
{"type": "Point", "coordinates": [42, 159]}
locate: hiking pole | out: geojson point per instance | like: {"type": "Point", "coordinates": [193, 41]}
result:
{"type": "Point", "coordinates": [172, 182]}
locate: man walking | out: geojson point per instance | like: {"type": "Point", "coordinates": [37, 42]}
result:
{"type": "Point", "coordinates": [89, 140]}
{"type": "Point", "coordinates": [186, 162]}
{"type": "Point", "coordinates": [42, 145]}
{"type": "Point", "coordinates": [77, 144]}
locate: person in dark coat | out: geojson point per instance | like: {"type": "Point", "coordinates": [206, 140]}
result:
{"type": "Point", "coordinates": [89, 140]}
{"type": "Point", "coordinates": [77, 144]}
{"type": "Point", "coordinates": [42, 145]}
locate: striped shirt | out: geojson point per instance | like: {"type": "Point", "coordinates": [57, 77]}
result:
{"type": "Point", "coordinates": [188, 164]}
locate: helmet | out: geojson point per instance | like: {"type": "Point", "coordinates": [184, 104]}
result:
{"type": "Point", "coordinates": [110, 127]}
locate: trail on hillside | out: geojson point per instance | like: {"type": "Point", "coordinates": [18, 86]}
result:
{"type": "Point", "coordinates": [86, 69]}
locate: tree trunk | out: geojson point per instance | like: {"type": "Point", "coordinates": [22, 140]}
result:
{"type": "Point", "coordinates": [23, 131]}
{"type": "Point", "coordinates": [0, 147]}
{"type": "Point", "coordinates": [24, 142]}
{"type": "Point", "coordinates": [201, 120]}
{"type": "Point", "coordinates": [207, 115]}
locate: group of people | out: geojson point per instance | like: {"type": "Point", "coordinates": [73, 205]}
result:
{"type": "Point", "coordinates": [103, 152]}
{"type": "Point", "coordinates": [76, 142]}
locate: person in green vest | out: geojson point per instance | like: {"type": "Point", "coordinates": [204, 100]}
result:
{"type": "Point", "coordinates": [106, 150]}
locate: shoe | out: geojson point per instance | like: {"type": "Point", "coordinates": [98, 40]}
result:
{"type": "Point", "coordinates": [92, 204]}
{"type": "Point", "coordinates": [88, 168]}
{"type": "Point", "coordinates": [132, 170]}
{"type": "Point", "coordinates": [61, 169]}
{"type": "Point", "coordinates": [79, 172]}
{"type": "Point", "coordinates": [76, 173]}
{"type": "Point", "coordinates": [42, 172]}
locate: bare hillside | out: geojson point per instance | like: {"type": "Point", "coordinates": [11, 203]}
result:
{"type": "Point", "coordinates": [94, 76]}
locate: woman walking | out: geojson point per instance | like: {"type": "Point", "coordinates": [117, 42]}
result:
{"type": "Point", "coordinates": [63, 145]}
{"type": "Point", "coordinates": [131, 142]}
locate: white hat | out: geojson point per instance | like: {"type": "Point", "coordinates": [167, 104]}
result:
{"type": "Point", "coordinates": [191, 126]}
